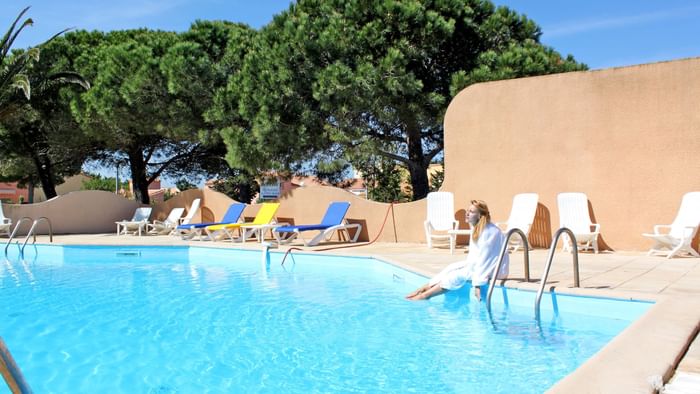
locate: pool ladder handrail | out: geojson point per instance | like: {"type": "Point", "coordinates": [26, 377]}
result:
{"type": "Point", "coordinates": [14, 231]}
{"type": "Point", "coordinates": [31, 232]}
{"type": "Point", "coordinates": [543, 281]}
{"type": "Point", "coordinates": [504, 249]}
{"type": "Point", "coordinates": [11, 372]}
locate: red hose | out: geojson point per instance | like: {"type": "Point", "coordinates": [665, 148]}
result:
{"type": "Point", "coordinates": [381, 229]}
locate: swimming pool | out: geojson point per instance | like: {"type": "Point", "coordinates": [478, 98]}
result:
{"type": "Point", "coordinates": [181, 319]}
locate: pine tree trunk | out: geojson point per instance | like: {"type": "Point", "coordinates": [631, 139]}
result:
{"type": "Point", "coordinates": [417, 167]}
{"type": "Point", "coordinates": [45, 171]}
{"type": "Point", "coordinates": [138, 175]}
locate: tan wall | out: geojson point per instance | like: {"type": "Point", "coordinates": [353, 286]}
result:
{"type": "Point", "coordinates": [627, 137]}
{"type": "Point", "coordinates": [83, 212]}
{"type": "Point", "coordinates": [181, 200]}
{"type": "Point", "coordinates": [71, 184]}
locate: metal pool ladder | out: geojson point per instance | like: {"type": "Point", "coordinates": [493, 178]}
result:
{"type": "Point", "coordinates": [14, 231]}
{"type": "Point", "coordinates": [29, 233]}
{"type": "Point", "coordinates": [11, 373]}
{"type": "Point", "coordinates": [504, 248]}
{"type": "Point", "coordinates": [543, 282]}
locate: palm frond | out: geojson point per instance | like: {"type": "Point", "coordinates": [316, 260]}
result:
{"type": "Point", "coordinates": [20, 81]}
{"type": "Point", "coordinates": [9, 37]}
{"type": "Point", "coordinates": [58, 80]}
{"type": "Point", "coordinates": [70, 77]}
{"type": "Point", "coordinates": [56, 35]}
{"type": "Point", "coordinates": [33, 53]}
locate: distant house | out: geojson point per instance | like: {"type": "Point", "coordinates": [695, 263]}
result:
{"type": "Point", "coordinates": [10, 193]}
{"type": "Point", "coordinates": [275, 187]}
{"type": "Point", "coordinates": [156, 193]}
{"type": "Point", "coordinates": [270, 190]}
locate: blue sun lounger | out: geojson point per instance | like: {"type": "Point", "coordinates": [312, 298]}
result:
{"type": "Point", "coordinates": [232, 215]}
{"type": "Point", "coordinates": [333, 220]}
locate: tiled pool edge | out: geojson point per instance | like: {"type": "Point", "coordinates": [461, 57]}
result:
{"type": "Point", "coordinates": [646, 352]}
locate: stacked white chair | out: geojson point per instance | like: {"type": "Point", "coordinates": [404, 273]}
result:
{"type": "Point", "coordinates": [168, 225]}
{"type": "Point", "coordinates": [573, 214]}
{"type": "Point", "coordinates": [440, 217]}
{"type": "Point", "coordinates": [194, 208]}
{"type": "Point", "coordinates": [522, 215]}
{"type": "Point", "coordinates": [679, 234]}
{"type": "Point", "coordinates": [5, 223]}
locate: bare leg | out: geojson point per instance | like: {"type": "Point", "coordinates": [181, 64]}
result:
{"type": "Point", "coordinates": [418, 291]}
{"type": "Point", "coordinates": [431, 292]}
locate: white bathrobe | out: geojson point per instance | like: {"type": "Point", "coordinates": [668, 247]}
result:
{"type": "Point", "coordinates": [480, 262]}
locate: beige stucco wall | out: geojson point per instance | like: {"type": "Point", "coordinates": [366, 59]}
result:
{"type": "Point", "coordinates": [627, 137]}
{"type": "Point", "coordinates": [83, 212]}
{"type": "Point", "coordinates": [71, 184]}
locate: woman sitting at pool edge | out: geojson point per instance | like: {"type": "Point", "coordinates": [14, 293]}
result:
{"type": "Point", "coordinates": [484, 248]}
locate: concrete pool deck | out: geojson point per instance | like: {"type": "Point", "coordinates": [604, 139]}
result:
{"type": "Point", "coordinates": [662, 343]}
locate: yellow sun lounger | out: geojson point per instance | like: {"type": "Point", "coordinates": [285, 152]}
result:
{"type": "Point", "coordinates": [262, 222]}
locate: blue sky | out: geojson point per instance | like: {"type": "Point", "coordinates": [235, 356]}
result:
{"type": "Point", "coordinates": [602, 34]}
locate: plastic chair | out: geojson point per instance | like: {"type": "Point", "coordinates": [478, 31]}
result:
{"type": "Point", "coordinates": [522, 215]}
{"type": "Point", "coordinates": [440, 217]}
{"type": "Point", "coordinates": [5, 222]}
{"type": "Point", "coordinates": [168, 225]}
{"type": "Point", "coordinates": [681, 232]}
{"type": "Point", "coordinates": [573, 214]}
{"type": "Point", "coordinates": [137, 223]}
{"type": "Point", "coordinates": [333, 220]}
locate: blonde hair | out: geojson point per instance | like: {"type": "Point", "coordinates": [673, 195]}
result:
{"type": "Point", "coordinates": [485, 217]}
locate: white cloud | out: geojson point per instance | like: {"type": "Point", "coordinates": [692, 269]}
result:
{"type": "Point", "coordinates": [588, 25]}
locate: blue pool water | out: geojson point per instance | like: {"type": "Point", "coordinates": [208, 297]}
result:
{"type": "Point", "coordinates": [194, 320]}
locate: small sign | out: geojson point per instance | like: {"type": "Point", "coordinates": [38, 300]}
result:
{"type": "Point", "coordinates": [270, 191]}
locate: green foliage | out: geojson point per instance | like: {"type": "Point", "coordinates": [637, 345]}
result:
{"type": "Point", "coordinates": [150, 96]}
{"type": "Point", "coordinates": [129, 109]}
{"type": "Point", "coordinates": [371, 77]}
{"type": "Point", "coordinates": [384, 180]}
{"type": "Point", "coordinates": [12, 77]}
{"type": "Point", "coordinates": [13, 68]}
{"type": "Point", "coordinates": [329, 82]}
{"type": "Point", "coordinates": [14, 169]}
{"type": "Point", "coordinates": [184, 184]}
{"type": "Point", "coordinates": [168, 195]}
{"type": "Point", "coordinates": [98, 182]}
{"type": "Point", "coordinates": [241, 187]}
{"type": "Point", "coordinates": [42, 129]}
{"type": "Point", "coordinates": [332, 171]}
{"type": "Point", "coordinates": [436, 180]}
